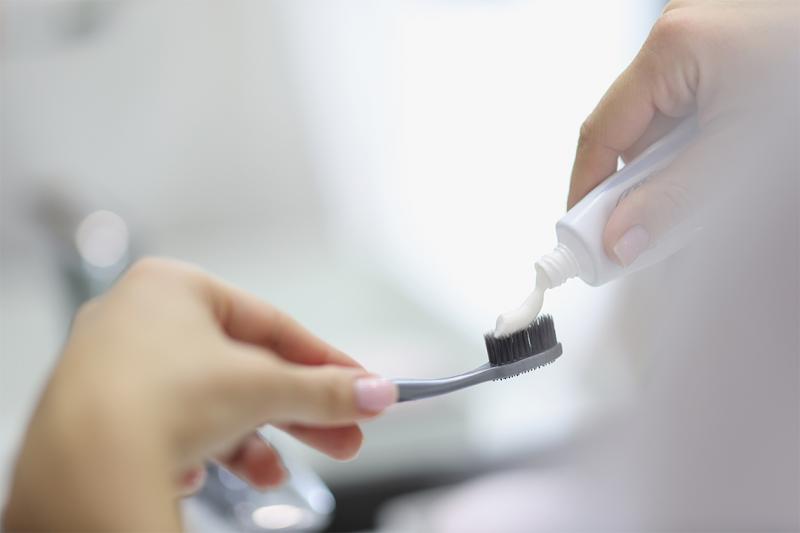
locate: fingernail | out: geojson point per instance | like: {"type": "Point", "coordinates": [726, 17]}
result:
{"type": "Point", "coordinates": [375, 394]}
{"type": "Point", "coordinates": [631, 245]}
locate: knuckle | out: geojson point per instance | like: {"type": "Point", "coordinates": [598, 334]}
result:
{"type": "Point", "coordinates": [677, 203]}
{"type": "Point", "coordinates": [336, 400]}
{"type": "Point", "coordinates": [147, 267]}
{"type": "Point", "coordinates": [150, 269]}
{"type": "Point", "coordinates": [668, 29]}
{"type": "Point", "coordinates": [672, 62]}
{"type": "Point", "coordinates": [675, 4]}
{"type": "Point", "coordinates": [587, 133]}
{"type": "Point", "coordinates": [673, 30]}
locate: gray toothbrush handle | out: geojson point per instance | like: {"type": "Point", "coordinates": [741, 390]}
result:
{"type": "Point", "coordinates": [416, 389]}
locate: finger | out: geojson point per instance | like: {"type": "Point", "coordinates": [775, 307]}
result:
{"type": "Point", "coordinates": [661, 79]}
{"type": "Point", "coordinates": [191, 480]}
{"type": "Point", "coordinates": [256, 462]}
{"type": "Point", "coordinates": [642, 217]}
{"type": "Point", "coordinates": [648, 212]}
{"type": "Point", "coordinates": [261, 388]}
{"type": "Point", "coordinates": [326, 395]}
{"type": "Point", "coordinates": [658, 127]}
{"type": "Point", "coordinates": [340, 443]}
{"type": "Point", "coordinates": [248, 319]}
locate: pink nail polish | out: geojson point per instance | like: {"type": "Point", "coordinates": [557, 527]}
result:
{"type": "Point", "coordinates": [375, 394]}
{"type": "Point", "coordinates": [631, 245]}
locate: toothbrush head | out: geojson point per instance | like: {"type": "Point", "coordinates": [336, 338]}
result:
{"type": "Point", "coordinates": [538, 337]}
{"type": "Point", "coordinates": [509, 356]}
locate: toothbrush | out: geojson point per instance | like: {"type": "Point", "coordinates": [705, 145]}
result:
{"type": "Point", "coordinates": [509, 356]}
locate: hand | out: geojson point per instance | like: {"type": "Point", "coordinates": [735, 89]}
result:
{"type": "Point", "coordinates": [172, 367]}
{"type": "Point", "coordinates": [733, 64]}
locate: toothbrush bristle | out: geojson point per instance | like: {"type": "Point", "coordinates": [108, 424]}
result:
{"type": "Point", "coordinates": [539, 336]}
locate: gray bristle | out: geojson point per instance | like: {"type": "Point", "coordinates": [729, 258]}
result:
{"type": "Point", "coordinates": [524, 371]}
{"type": "Point", "coordinates": [539, 336]}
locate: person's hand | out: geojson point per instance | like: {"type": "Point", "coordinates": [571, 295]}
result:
{"type": "Point", "coordinates": [172, 367]}
{"type": "Point", "coordinates": [733, 64]}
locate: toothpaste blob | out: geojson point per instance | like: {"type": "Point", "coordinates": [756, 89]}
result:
{"type": "Point", "coordinates": [512, 321]}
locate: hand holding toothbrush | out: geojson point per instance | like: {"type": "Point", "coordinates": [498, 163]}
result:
{"type": "Point", "coordinates": [169, 368]}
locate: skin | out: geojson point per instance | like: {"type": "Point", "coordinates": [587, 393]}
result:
{"type": "Point", "coordinates": [728, 62]}
{"type": "Point", "coordinates": [170, 368]}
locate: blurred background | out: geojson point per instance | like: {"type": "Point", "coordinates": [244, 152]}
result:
{"type": "Point", "coordinates": [386, 172]}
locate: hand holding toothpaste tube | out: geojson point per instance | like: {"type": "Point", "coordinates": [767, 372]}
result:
{"type": "Point", "coordinates": [734, 66]}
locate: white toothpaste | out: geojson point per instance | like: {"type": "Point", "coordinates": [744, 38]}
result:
{"type": "Point", "coordinates": [520, 318]}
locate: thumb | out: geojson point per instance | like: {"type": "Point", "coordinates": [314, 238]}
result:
{"type": "Point", "coordinates": [325, 395]}
{"type": "Point", "coordinates": [645, 215]}
{"type": "Point", "coordinates": [649, 211]}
